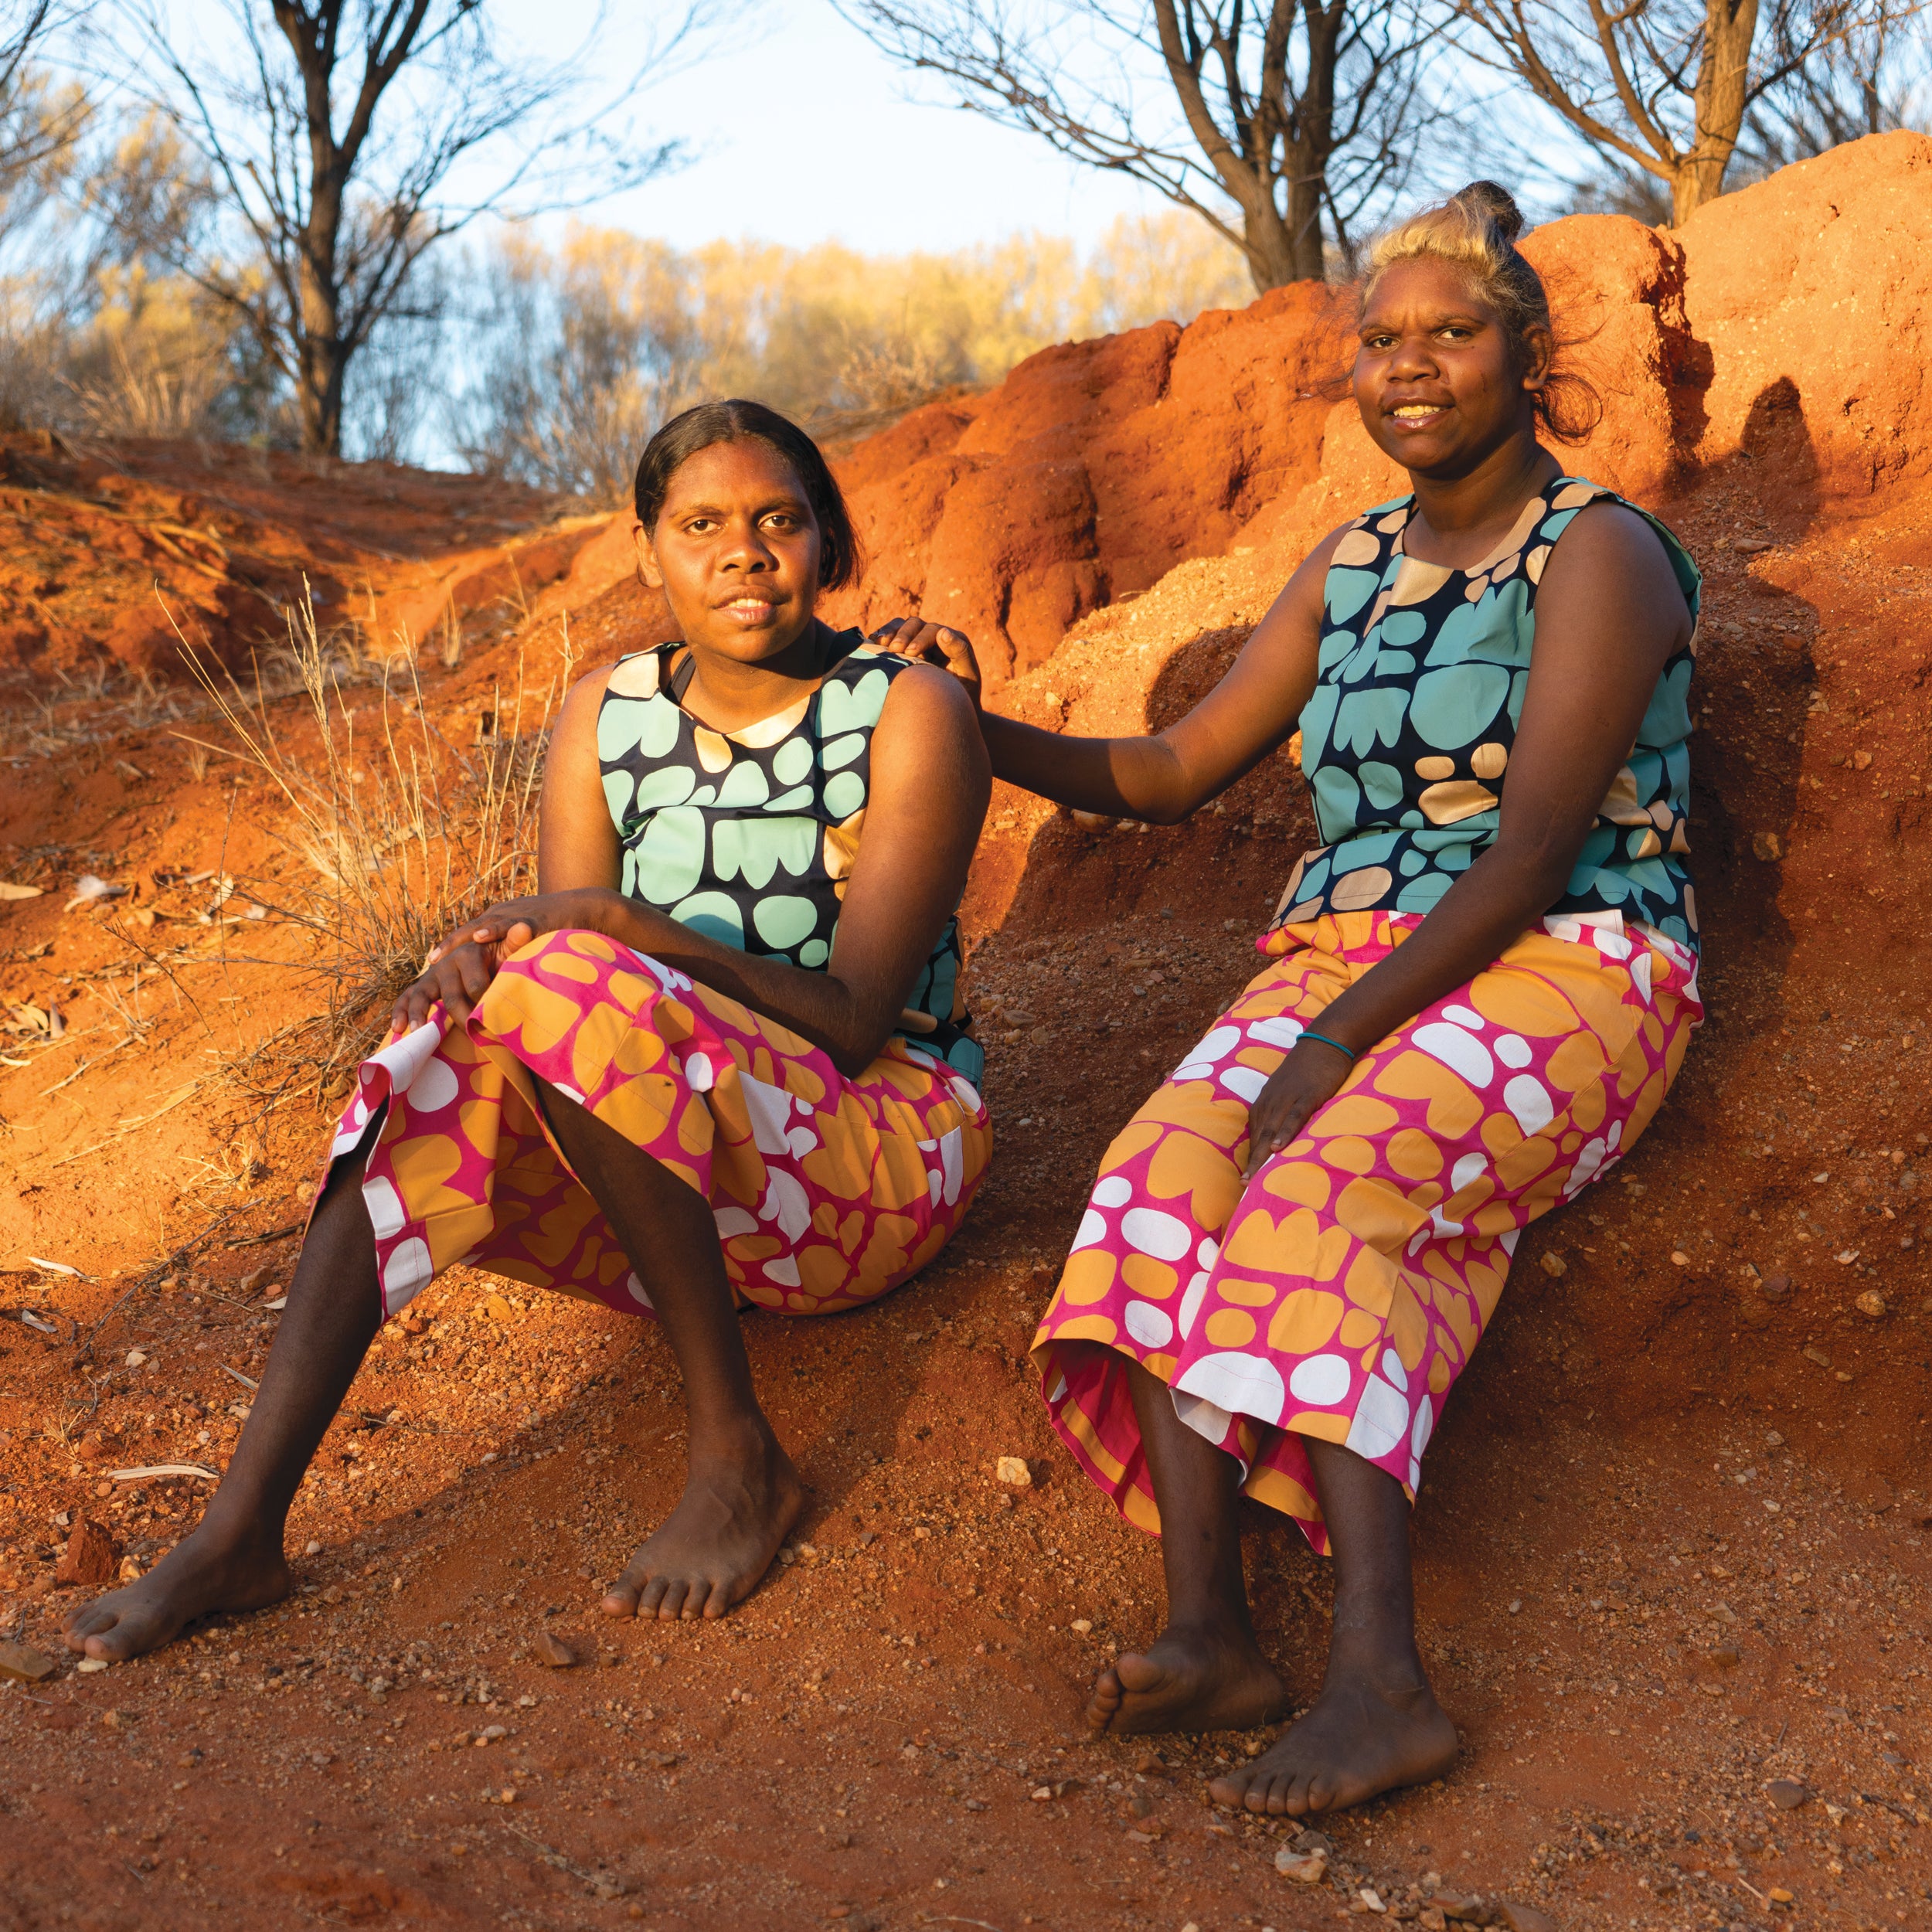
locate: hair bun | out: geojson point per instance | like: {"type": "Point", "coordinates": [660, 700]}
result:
{"type": "Point", "coordinates": [1496, 206]}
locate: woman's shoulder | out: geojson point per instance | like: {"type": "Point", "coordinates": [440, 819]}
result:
{"type": "Point", "coordinates": [1366, 535]}
{"type": "Point", "coordinates": [1619, 525]}
{"type": "Point", "coordinates": [639, 674]}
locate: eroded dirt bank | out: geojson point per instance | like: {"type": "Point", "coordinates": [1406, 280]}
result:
{"type": "Point", "coordinates": [1672, 1549]}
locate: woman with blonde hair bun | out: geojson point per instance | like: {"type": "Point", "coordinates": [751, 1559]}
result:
{"type": "Point", "coordinates": [1475, 993]}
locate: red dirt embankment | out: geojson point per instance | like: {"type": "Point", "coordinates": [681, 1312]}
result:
{"type": "Point", "coordinates": [1671, 1548]}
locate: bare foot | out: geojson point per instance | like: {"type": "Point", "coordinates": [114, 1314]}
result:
{"type": "Point", "coordinates": [1360, 1739]}
{"type": "Point", "coordinates": [204, 1574]}
{"type": "Point", "coordinates": [738, 1505]}
{"type": "Point", "coordinates": [1193, 1677]}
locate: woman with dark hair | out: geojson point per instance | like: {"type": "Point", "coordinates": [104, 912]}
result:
{"type": "Point", "coordinates": [1476, 992]}
{"type": "Point", "coordinates": [716, 1058]}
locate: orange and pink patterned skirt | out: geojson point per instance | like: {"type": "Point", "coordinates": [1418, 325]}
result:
{"type": "Point", "coordinates": [828, 1192]}
{"type": "Point", "coordinates": [1339, 1294]}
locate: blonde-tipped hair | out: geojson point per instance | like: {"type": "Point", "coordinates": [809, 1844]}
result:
{"type": "Point", "coordinates": [1476, 231]}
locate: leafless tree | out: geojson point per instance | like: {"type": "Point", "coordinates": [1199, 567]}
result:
{"type": "Point", "coordinates": [1304, 115]}
{"type": "Point", "coordinates": [1664, 87]}
{"type": "Point", "coordinates": [345, 139]}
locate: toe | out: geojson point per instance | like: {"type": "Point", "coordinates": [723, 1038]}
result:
{"type": "Point", "coordinates": [651, 1597]}
{"type": "Point", "coordinates": [621, 1599]}
{"type": "Point", "coordinates": [1294, 1796]}
{"type": "Point", "coordinates": [672, 1593]}
{"type": "Point", "coordinates": [714, 1602]}
{"type": "Point", "coordinates": [1105, 1701]}
{"type": "Point", "coordinates": [88, 1623]}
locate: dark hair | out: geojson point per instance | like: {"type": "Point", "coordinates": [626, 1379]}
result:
{"type": "Point", "coordinates": [1475, 230]}
{"type": "Point", "coordinates": [736, 420]}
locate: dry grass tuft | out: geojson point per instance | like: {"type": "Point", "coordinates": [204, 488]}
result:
{"type": "Point", "coordinates": [400, 835]}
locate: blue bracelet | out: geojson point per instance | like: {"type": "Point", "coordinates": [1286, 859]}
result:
{"type": "Point", "coordinates": [1309, 1033]}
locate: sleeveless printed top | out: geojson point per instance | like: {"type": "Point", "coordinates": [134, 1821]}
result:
{"type": "Point", "coordinates": [1406, 739]}
{"type": "Point", "coordinates": [749, 836]}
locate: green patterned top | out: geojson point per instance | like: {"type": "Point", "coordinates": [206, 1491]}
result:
{"type": "Point", "coordinates": [749, 836]}
{"type": "Point", "coordinates": [1406, 739]}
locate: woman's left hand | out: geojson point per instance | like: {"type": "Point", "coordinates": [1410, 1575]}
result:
{"type": "Point", "coordinates": [1296, 1090]}
{"type": "Point", "coordinates": [459, 969]}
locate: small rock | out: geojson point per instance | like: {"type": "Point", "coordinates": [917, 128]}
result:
{"type": "Point", "coordinates": [1152, 1764]}
{"type": "Point", "coordinates": [1431, 1920]}
{"type": "Point", "coordinates": [91, 1556]}
{"type": "Point", "coordinates": [1468, 1909]}
{"type": "Point", "coordinates": [1041, 1794]}
{"type": "Point", "coordinates": [1724, 1659]}
{"type": "Point", "coordinates": [1767, 846]}
{"type": "Point", "coordinates": [1871, 1304]}
{"type": "Point", "coordinates": [1371, 1898]}
{"type": "Point", "coordinates": [1778, 1895]}
{"type": "Point", "coordinates": [497, 1309]}
{"type": "Point", "coordinates": [1305, 1867]}
{"type": "Point", "coordinates": [1516, 1606]}
{"type": "Point", "coordinates": [311, 1547]}
{"type": "Point", "coordinates": [136, 1359]}
{"type": "Point", "coordinates": [1679, 1258]}
{"type": "Point", "coordinates": [1524, 1918]}
{"type": "Point", "coordinates": [1012, 1471]}
{"type": "Point", "coordinates": [88, 1666]}
{"type": "Point", "coordinates": [1818, 1355]}
{"type": "Point", "coordinates": [131, 1569]}
{"type": "Point", "coordinates": [251, 1282]}
{"type": "Point", "coordinates": [1555, 1266]}
{"type": "Point", "coordinates": [21, 1664]}
{"type": "Point", "coordinates": [1082, 1624]}
{"type": "Point", "coordinates": [1788, 1793]}
{"type": "Point", "coordinates": [551, 1649]}
{"type": "Point", "coordinates": [1776, 1288]}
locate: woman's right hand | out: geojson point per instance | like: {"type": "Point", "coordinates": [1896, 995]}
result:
{"type": "Point", "coordinates": [932, 644]}
{"type": "Point", "coordinates": [457, 973]}
{"type": "Point", "coordinates": [459, 969]}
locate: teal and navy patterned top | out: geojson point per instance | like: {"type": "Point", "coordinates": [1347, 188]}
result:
{"type": "Point", "coordinates": [1406, 739]}
{"type": "Point", "coordinates": [749, 836]}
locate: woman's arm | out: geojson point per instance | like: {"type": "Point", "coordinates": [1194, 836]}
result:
{"type": "Point", "coordinates": [1609, 613]}
{"type": "Point", "coordinates": [928, 795]}
{"type": "Point", "coordinates": [1163, 778]}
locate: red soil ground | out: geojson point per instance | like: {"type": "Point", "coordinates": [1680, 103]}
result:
{"type": "Point", "coordinates": [1671, 1547]}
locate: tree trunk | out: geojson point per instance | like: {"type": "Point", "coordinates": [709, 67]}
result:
{"type": "Point", "coordinates": [1304, 223]}
{"type": "Point", "coordinates": [1723, 76]}
{"type": "Point", "coordinates": [323, 356]}
{"type": "Point", "coordinates": [322, 367]}
{"type": "Point", "coordinates": [1269, 245]}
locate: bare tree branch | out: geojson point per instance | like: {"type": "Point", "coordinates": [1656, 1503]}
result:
{"type": "Point", "coordinates": [1287, 122]}
{"type": "Point", "coordinates": [37, 124]}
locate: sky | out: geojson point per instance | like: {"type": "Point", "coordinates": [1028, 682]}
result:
{"type": "Point", "coordinates": [802, 132]}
